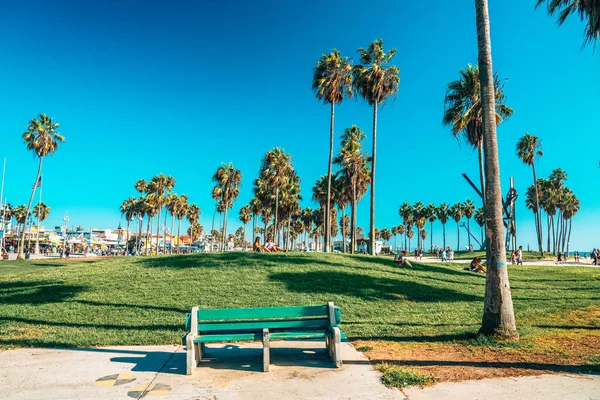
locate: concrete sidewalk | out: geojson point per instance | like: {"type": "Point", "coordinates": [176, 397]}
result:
{"type": "Point", "coordinates": [544, 387]}
{"type": "Point", "coordinates": [299, 370]}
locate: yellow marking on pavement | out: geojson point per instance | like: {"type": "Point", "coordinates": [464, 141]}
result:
{"type": "Point", "coordinates": [115, 380]}
{"type": "Point", "coordinates": [155, 389]}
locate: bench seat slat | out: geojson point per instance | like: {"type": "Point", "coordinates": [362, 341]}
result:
{"type": "Point", "coordinates": [260, 325]}
{"type": "Point", "coordinates": [241, 337]}
{"type": "Point", "coordinates": [261, 313]}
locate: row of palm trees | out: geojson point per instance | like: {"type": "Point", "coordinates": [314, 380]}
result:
{"type": "Point", "coordinates": [418, 214]}
{"type": "Point", "coordinates": [334, 79]}
{"type": "Point", "coordinates": [156, 196]}
{"type": "Point", "coordinates": [40, 211]}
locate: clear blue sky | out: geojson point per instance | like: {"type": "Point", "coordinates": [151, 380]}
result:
{"type": "Point", "coordinates": [143, 87]}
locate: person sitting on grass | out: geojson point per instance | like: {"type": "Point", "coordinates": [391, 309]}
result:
{"type": "Point", "coordinates": [401, 259]}
{"type": "Point", "coordinates": [477, 266]}
{"type": "Point", "coordinates": [257, 246]}
{"type": "Point", "coordinates": [272, 247]}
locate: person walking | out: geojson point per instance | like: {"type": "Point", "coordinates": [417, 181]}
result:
{"type": "Point", "coordinates": [519, 255]}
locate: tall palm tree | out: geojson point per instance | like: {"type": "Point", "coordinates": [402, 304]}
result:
{"type": "Point", "coordinates": [161, 185]}
{"type": "Point", "coordinates": [354, 166]}
{"type": "Point", "coordinates": [307, 222]}
{"type": "Point", "coordinates": [151, 205]}
{"type": "Point", "coordinates": [256, 207]}
{"type": "Point", "coordinates": [128, 210]}
{"type": "Point", "coordinates": [181, 211]}
{"type": "Point", "coordinates": [375, 83]}
{"type": "Point", "coordinates": [409, 234]}
{"type": "Point", "coordinates": [468, 208]}
{"type": "Point", "coordinates": [456, 212]}
{"type": "Point", "coordinates": [420, 219]}
{"type": "Point", "coordinates": [463, 111]}
{"type": "Point", "coordinates": [588, 10]}
{"type": "Point", "coordinates": [275, 173]}
{"type": "Point", "coordinates": [431, 213]}
{"type": "Point", "coordinates": [41, 212]}
{"type": "Point", "coordinates": [228, 180]}
{"type": "Point", "coordinates": [42, 138]}
{"type": "Point", "coordinates": [572, 206]}
{"type": "Point", "coordinates": [498, 313]}
{"type": "Point", "coordinates": [394, 234]}
{"type": "Point", "coordinates": [171, 205]}
{"type": "Point", "coordinates": [342, 196]}
{"type": "Point", "coordinates": [442, 213]}
{"type": "Point", "coordinates": [245, 217]}
{"type": "Point", "coordinates": [194, 231]}
{"type": "Point", "coordinates": [193, 217]}
{"type": "Point", "coordinates": [528, 147]}
{"type": "Point", "coordinates": [401, 231]}
{"type": "Point", "coordinates": [332, 82]}
{"type": "Point", "coordinates": [405, 212]}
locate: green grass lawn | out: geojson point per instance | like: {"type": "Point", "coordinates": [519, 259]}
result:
{"type": "Point", "coordinates": [129, 301]}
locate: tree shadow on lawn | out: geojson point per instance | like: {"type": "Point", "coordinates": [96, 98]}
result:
{"type": "Point", "coordinates": [91, 324]}
{"type": "Point", "coordinates": [123, 305]}
{"type": "Point", "coordinates": [37, 292]}
{"type": "Point", "coordinates": [238, 259]}
{"type": "Point", "coordinates": [367, 287]}
{"type": "Point", "coordinates": [482, 364]}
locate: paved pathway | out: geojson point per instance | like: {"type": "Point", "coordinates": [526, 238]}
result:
{"type": "Point", "coordinates": [299, 370]}
{"type": "Point", "coordinates": [544, 387]}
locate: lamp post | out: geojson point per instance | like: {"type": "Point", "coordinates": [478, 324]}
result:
{"type": "Point", "coordinates": [66, 219]}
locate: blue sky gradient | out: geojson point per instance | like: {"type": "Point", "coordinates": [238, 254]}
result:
{"type": "Point", "coordinates": [143, 87]}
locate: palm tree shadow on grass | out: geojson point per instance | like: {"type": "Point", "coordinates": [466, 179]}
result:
{"type": "Point", "coordinates": [40, 292]}
{"type": "Point", "coordinates": [240, 259]}
{"type": "Point", "coordinates": [367, 287]}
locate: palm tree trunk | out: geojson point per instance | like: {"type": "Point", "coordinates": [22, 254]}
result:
{"type": "Point", "coordinates": [287, 247]}
{"type": "Point", "coordinates": [178, 235]}
{"type": "Point", "coordinates": [538, 213]}
{"type": "Point", "coordinates": [127, 238]}
{"type": "Point", "coordinates": [431, 236]}
{"type": "Point", "coordinates": [554, 232]}
{"type": "Point", "coordinates": [353, 222]}
{"type": "Point", "coordinates": [328, 204]}
{"type": "Point", "coordinates": [275, 230]}
{"type": "Point", "coordinates": [498, 315]}
{"type": "Point", "coordinates": [444, 234]}
{"type": "Point", "coordinates": [22, 242]}
{"type": "Point", "coordinates": [225, 225]}
{"type": "Point", "coordinates": [165, 233]}
{"type": "Point", "coordinates": [373, 163]}
{"type": "Point", "coordinates": [481, 171]}
{"type": "Point", "coordinates": [469, 231]}
{"type": "Point", "coordinates": [212, 229]}
{"type": "Point", "coordinates": [172, 228]}
{"type": "Point", "coordinates": [548, 223]}
{"type": "Point", "coordinates": [148, 234]}
{"type": "Point", "coordinates": [458, 235]}
{"type": "Point", "coordinates": [343, 232]}
{"type": "Point", "coordinates": [569, 235]}
{"type": "Point", "coordinates": [158, 228]}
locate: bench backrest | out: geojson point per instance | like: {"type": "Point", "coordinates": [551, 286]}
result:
{"type": "Point", "coordinates": [302, 318]}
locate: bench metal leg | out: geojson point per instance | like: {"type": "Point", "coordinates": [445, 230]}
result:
{"type": "Point", "coordinates": [335, 347]}
{"type": "Point", "coordinates": [266, 350]}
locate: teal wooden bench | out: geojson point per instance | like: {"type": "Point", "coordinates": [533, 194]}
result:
{"type": "Point", "coordinates": [261, 324]}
